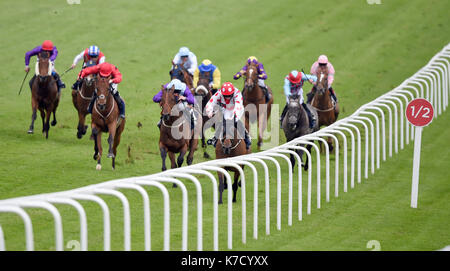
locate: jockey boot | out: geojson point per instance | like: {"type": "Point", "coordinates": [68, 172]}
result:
{"type": "Point", "coordinates": [266, 93]}
{"type": "Point", "coordinates": [77, 84]}
{"type": "Point", "coordinates": [283, 114]}
{"type": "Point", "coordinates": [120, 104]}
{"type": "Point", "coordinates": [58, 81]}
{"type": "Point", "coordinates": [309, 96]}
{"type": "Point", "coordinates": [312, 120]}
{"type": "Point", "coordinates": [333, 95]}
{"type": "Point", "coordinates": [91, 104]}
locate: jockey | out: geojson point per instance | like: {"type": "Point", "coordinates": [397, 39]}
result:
{"type": "Point", "coordinates": [46, 46]}
{"type": "Point", "coordinates": [185, 95]}
{"type": "Point", "coordinates": [214, 75]}
{"type": "Point", "coordinates": [322, 62]}
{"type": "Point", "coordinates": [187, 59]}
{"type": "Point", "coordinates": [262, 75]}
{"type": "Point", "coordinates": [293, 83]}
{"type": "Point", "coordinates": [104, 70]}
{"type": "Point", "coordinates": [230, 100]}
{"type": "Point", "coordinates": [92, 53]}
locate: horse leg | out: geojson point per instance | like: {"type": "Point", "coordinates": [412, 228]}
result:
{"type": "Point", "coordinates": [81, 120]}
{"type": "Point", "coordinates": [116, 143]}
{"type": "Point", "coordinates": [173, 163]}
{"type": "Point", "coordinates": [47, 121]}
{"type": "Point", "coordinates": [235, 184]}
{"type": "Point", "coordinates": [54, 118]}
{"type": "Point", "coordinates": [330, 144]}
{"type": "Point", "coordinates": [163, 152]}
{"type": "Point", "coordinates": [204, 146]}
{"type": "Point", "coordinates": [33, 116]}
{"type": "Point", "coordinates": [305, 167]}
{"type": "Point", "coordinates": [262, 122]}
{"type": "Point", "coordinates": [112, 134]}
{"type": "Point", "coordinates": [98, 141]}
{"type": "Point", "coordinates": [192, 146]}
{"type": "Point", "coordinates": [221, 187]}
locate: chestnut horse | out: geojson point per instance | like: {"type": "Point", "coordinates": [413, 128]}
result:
{"type": "Point", "coordinates": [175, 134]}
{"type": "Point", "coordinates": [105, 118]}
{"type": "Point", "coordinates": [202, 93]}
{"type": "Point", "coordinates": [229, 144]}
{"type": "Point", "coordinates": [82, 98]}
{"type": "Point", "coordinates": [322, 102]}
{"type": "Point", "coordinates": [44, 93]}
{"type": "Point", "coordinates": [253, 94]}
{"type": "Point", "coordinates": [179, 72]}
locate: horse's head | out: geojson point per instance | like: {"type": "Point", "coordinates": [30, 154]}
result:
{"type": "Point", "coordinates": [228, 136]}
{"type": "Point", "coordinates": [251, 76]}
{"type": "Point", "coordinates": [89, 80]}
{"type": "Point", "coordinates": [203, 88]}
{"type": "Point", "coordinates": [103, 91]}
{"type": "Point", "coordinates": [177, 73]}
{"type": "Point", "coordinates": [169, 99]}
{"type": "Point", "coordinates": [293, 114]}
{"type": "Point", "coordinates": [44, 66]}
{"type": "Point", "coordinates": [322, 80]}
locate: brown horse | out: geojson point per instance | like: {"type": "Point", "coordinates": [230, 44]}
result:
{"type": "Point", "coordinates": [105, 118]}
{"type": "Point", "coordinates": [174, 136]}
{"type": "Point", "coordinates": [327, 110]}
{"type": "Point", "coordinates": [253, 94]}
{"type": "Point", "coordinates": [179, 72]}
{"type": "Point", "coordinates": [81, 100]}
{"type": "Point", "coordinates": [44, 93]}
{"type": "Point", "coordinates": [229, 144]}
{"type": "Point", "coordinates": [202, 93]}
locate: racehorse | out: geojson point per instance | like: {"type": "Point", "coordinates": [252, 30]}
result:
{"type": "Point", "coordinates": [105, 118]}
{"type": "Point", "coordinates": [82, 98]}
{"type": "Point", "coordinates": [296, 124]}
{"type": "Point", "coordinates": [44, 93]}
{"type": "Point", "coordinates": [202, 92]}
{"type": "Point", "coordinates": [253, 94]}
{"type": "Point", "coordinates": [179, 72]}
{"type": "Point", "coordinates": [322, 102]}
{"type": "Point", "coordinates": [174, 138]}
{"type": "Point", "coordinates": [229, 144]}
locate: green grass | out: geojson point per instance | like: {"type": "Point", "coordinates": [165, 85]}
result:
{"type": "Point", "coordinates": [372, 47]}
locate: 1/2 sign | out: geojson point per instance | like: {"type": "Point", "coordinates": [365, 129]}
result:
{"type": "Point", "coordinates": [419, 112]}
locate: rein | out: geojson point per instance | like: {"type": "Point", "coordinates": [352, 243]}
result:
{"type": "Point", "coordinates": [322, 110]}
{"type": "Point", "coordinates": [96, 110]}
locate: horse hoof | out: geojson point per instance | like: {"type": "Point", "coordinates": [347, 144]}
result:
{"type": "Point", "coordinates": [174, 186]}
{"type": "Point", "coordinates": [220, 202]}
{"type": "Point", "coordinates": [54, 123]}
{"type": "Point", "coordinates": [79, 136]}
{"type": "Point", "coordinates": [98, 167]}
{"type": "Point", "coordinates": [95, 156]}
{"type": "Point", "coordinates": [111, 155]}
{"type": "Point", "coordinates": [30, 131]}
{"type": "Point", "coordinates": [206, 155]}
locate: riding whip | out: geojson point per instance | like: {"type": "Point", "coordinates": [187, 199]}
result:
{"type": "Point", "coordinates": [65, 72]}
{"type": "Point", "coordinates": [23, 82]}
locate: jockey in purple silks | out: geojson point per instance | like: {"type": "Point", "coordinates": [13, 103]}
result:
{"type": "Point", "coordinates": [262, 75]}
{"type": "Point", "coordinates": [185, 96]}
{"type": "Point", "coordinates": [46, 46]}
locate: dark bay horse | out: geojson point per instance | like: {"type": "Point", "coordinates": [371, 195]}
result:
{"type": "Point", "coordinates": [44, 93]}
{"type": "Point", "coordinates": [296, 124]}
{"type": "Point", "coordinates": [253, 95]}
{"type": "Point", "coordinates": [229, 144]}
{"type": "Point", "coordinates": [81, 100]}
{"type": "Point", "coordinates": [179, 72]}
{"type": "Point", "coordinates": [175, 134]}
{"type": "Point", "coordinates": [105, 118]}
{"type": "Point", "coordinates": [202, 93]}
{"type": "Point", "coordinates": [328, 110]}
